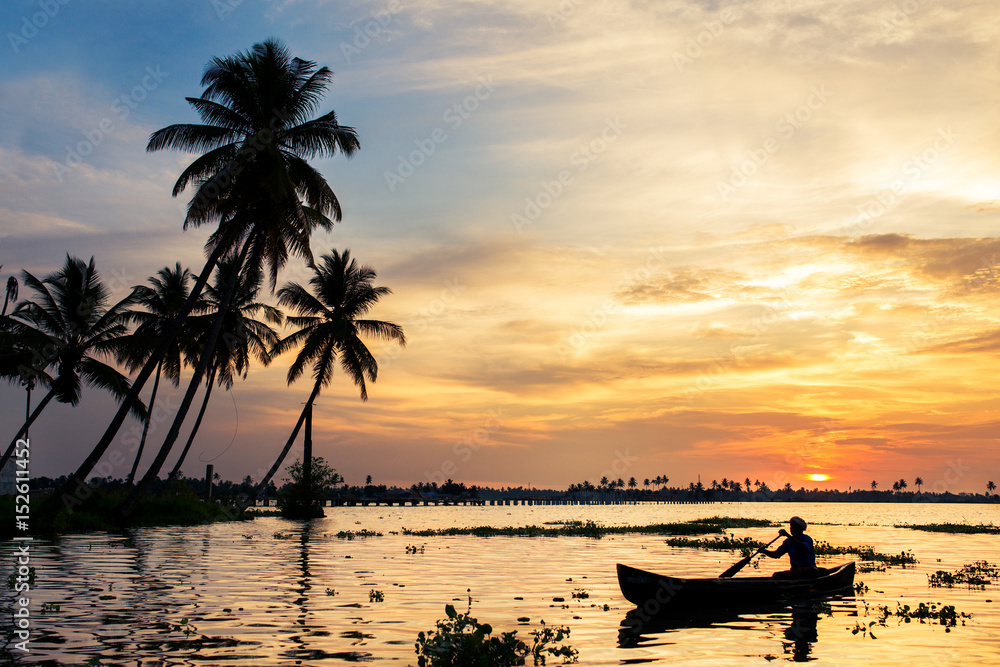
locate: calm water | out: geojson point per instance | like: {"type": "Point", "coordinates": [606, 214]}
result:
{"type": "Point", "coordinates": [252, 599]}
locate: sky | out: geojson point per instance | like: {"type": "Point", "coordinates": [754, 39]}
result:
{"type": "Point", "coordinates": [682, 238]}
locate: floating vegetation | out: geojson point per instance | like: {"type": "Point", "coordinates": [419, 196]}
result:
{"type": "Point", "coordinates": [282, 536]}
{"type": "Point", "coordinates": [414, 549]}
{"type": "Point", "coordinates": [974, 575]}
{"type": "Point", "coordinates": [49, 606]}
{"type": "Point", "coordinates": [108, 597]}
{"type": "Point", "coordinates": [351, 534]}
{"type": "Point", "coordinates": [989, 529]}
{"type": "Point", "coordinates": [375, 596]}
{"type": "Point", "coordinates": [580, 594]}
{"type": "Point", "coordinates": [747, 546]}
{"type": "Point", "coordinates": [461, 639]}
{"type": "Point", "coordinates": [331, 591]}
{"type": "Point", "coordinates": [593, 529]}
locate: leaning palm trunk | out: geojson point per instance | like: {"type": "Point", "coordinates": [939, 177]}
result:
{"type": "Point", "coordinates": [145, 427]}
{"type": "Point", "coordinates": [67, 495]}
{"type": "Point", "coordinates": [194, 429]}
{"type": "Point", "coordinates": [284, 452]}
{"type": "Point", "coordinates": [27, 423]}
{"type": "Point", "coordinates": [128, 505]}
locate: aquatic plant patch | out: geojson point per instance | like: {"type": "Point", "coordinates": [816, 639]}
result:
{"type": "Point", "coordinates": [988, 529]}
{"type": "Point", "coordinates": [974, 575]}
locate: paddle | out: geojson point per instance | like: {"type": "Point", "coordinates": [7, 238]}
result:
{"type": "Point", "coordinates": [741, 564]}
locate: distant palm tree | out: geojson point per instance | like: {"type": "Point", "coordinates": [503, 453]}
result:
{"type": "Point", "coordinates": [895, 486]}
{"type": "Point", "coordinates": [748, 484]}
{"type": "Point", "coordinates": [331, 320]}
{"type": "Point", "coordinates": [10, 294]}
{"type": "Point", "coordinates": [874, 485]}
{"type": "Point", "coordinates": [645, 483]}
{"type": "Point", "coordinates": [902, 484]}
{"type": "Point", "coordinates": [252, 180]}
{"type": "Point", "coordinates": [919, 481]}
{"type": "Point", "coordinates": [243, 338]}
{"type": "Point", "coordinates": [632, 484]}
{"type": "Point", "coordinates": [162, 301]}
{"type": "Point", "coordinates": [990, 487]}
{"type": "Point", "coordinates": [71, 314]}
{"type": "Point", "coordinates": [604, 481]}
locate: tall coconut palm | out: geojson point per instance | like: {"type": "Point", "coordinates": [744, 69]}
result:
{"type": "Point", "coordinates": [243, 338]}
{"type": "Point", "coordinates": [331, 320]}
{"type": "Point", "coordinates": [919, 481]}
{"type": "Point", "coordinates": [71, 313]}
{"type": "Point", "coordinates": [162, 300]}
{"type": "Point", "coordinates": [252, 180]}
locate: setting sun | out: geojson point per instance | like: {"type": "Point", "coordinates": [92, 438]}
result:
{"type": "Point", "coordinates": [819, 477]}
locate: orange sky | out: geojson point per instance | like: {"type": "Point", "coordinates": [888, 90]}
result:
{"type": "Point", "coordinates": [718, 238]}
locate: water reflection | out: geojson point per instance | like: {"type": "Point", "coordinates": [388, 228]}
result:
{"type": "Point", "coordinates": [794, 624]}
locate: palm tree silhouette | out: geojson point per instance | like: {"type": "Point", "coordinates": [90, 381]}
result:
{"type": "Point", "coordinates": [331, 321]}
{"type": "Point", "coordinates": [162, 300]}
{"type": "Point", "coordinates": [919, 481]}
{"type": "Point", "coordinates": [252, 181]}
{"type": "Point", "coordinates": [10, 294]}
{"type": "Point", "coordinates": [71, 313]}
{"type": "Point", "coordinates": [874, 485]}
{"type": "Point", "coordinates": [990, 487]}
{"type": "Point", "coordinates": [243, 338]}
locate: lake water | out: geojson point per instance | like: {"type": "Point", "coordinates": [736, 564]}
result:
{"type": "Point", "coordinates": [250, 598]}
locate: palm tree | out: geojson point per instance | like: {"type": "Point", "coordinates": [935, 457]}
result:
{"type": "Point", "coordinates": [251, 180]}
{"type": "Point", "coordinates": [874, 485]}
{"type": "Point", "coordinates": [330, 322]}
{"type": "Point", "coordinates": [990, 487]}
{"type": "Point", "coordinates": [243, 337]}
{"type": "Point", "coordinates": [895, 486]}
{"type": "Point", "coordinates": [748, 484]}
{"type": "Point", "coordinates": [919, 481]}
{"type": "Point", "coordinates": [902, 484]}
{"type": "Point", "coordinates": [71, 314]}
{"type": "Point", "coordinates": [632, 484]}
{"type": "Point", "coordinates": [604, 481]}
{"type": "Point", "coordinates": [10, 294]}
{"type": "Point", "coordinates": [162, 301]}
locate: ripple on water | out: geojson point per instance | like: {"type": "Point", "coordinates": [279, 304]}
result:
{"type": "Point", "coordinates": [235, 595]}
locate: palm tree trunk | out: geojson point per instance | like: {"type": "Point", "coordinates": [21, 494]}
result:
{"type": "Point", "coordinates": [67, 495]}
{"type": "Point", "coordinates": [284, 452]}
{"type": "Point", "coordinates": [145, 427]}
{"type": "Point", "coordinates": [24, 429]}
{"type": "Point", "coordinates": [197, 424]}
{"type": "Point", "coordinates": [128, 505]}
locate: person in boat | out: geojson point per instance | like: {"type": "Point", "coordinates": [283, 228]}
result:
{"type": "Point", "coordinates": [799, 547]}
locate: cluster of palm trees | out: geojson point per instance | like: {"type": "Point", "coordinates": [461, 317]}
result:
{"type": "Point", "coordinates": [253, 183]}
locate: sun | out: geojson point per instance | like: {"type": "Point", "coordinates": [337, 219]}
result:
{"type": "Point", "coordinates": [819, 477]}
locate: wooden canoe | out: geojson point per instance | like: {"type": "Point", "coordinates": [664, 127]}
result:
{"type": "Point", "coordinates": [658, 592]}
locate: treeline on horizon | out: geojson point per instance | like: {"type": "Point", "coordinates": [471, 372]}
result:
{"type": "Point", "coordinates": [611, 491]}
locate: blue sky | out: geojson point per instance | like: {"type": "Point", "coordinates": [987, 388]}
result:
{"type": "Point", "coordinates": [711, 232]}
